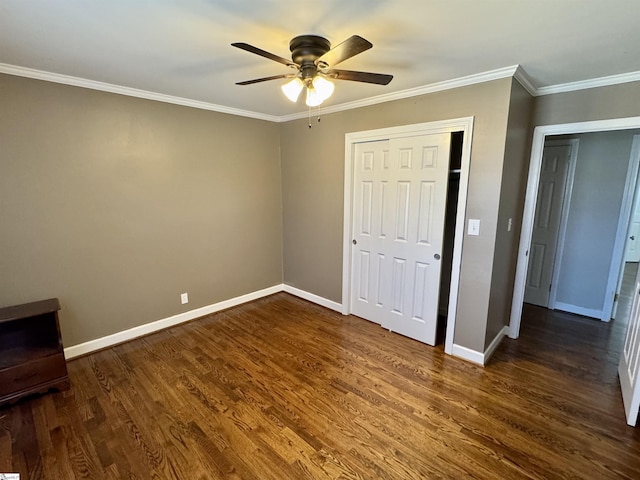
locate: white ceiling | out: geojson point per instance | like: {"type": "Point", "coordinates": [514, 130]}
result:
{"type": "Point", "coordinates": [182, 48]}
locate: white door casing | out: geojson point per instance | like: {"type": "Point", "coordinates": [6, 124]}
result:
{"type": "Point", "coordinates": [464, 125]}
{"type": "Point", "coordinates": [544, 240]}
{"type": "Point", "coordinates": [400, 191]}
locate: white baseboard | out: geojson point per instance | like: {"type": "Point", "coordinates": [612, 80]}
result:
{"type": "Point", "coordinates": [468, 354]}
{"type": "Point", "coordinates": [313, 298]}
{"type": "Point", "coordinates": [495, 343]}
{"type": "Point", "coordinates": [478, 357]}
{"type": "Point", "coordinates": [147, 328]}
{"type": "Point", "coordinates": [587, 312]}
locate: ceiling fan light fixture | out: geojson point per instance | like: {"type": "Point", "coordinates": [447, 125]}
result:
{"type": "Point", "coordinates": [314, 98]}
{"type": "Point", "coordinates": [323, 86]}
{"type": "Point", "coordinates": [292, 89]}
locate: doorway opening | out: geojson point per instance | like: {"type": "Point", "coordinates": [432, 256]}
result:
{"type": "Point", "coordinates": [630, 260]}
{"type": "Point", "coordinates": [541, 134]}
{"type": "Point", "coordinates": [586, 183]}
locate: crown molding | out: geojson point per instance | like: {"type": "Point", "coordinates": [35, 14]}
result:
{"type": "Point", "coordinates": [515, 71]}
{"type": "Point", "coordinates": [412, 92]}
{"type": "Point", "coordinates": [591, 83]}
{"type": "Point", "coordinates": [131, 92]}
{"type": "Point", "coordinates": [523, 79]}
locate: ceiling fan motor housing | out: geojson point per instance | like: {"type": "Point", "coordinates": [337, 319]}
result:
{"type": "Point", "coordinates": [305, 49]}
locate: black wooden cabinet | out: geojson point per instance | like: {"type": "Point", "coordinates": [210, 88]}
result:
{"type": "Point", "coordinates": [31, 354]}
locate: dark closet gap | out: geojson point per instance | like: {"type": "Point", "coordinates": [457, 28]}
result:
{"type": "Point", "coordinates": [455, 165]}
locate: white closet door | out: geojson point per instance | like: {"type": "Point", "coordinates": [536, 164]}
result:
{"type": "Point", "coordinates": [400, 196]}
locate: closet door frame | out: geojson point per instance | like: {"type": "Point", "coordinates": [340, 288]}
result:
{"type": "Point", "coordinates": [465, 125]}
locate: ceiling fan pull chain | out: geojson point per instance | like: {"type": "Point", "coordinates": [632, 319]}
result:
{"type": "Point", "coordinates": [309, 117]}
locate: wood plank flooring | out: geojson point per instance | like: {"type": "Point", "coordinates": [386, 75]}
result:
{"type": "Point", "coordinates": [284, 389]}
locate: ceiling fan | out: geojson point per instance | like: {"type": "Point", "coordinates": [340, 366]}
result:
{"type": "Point", "coordinates": [314, 61]}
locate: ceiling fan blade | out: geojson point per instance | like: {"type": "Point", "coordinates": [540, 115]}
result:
{"type": "Point", "coordinates": [366, 77]}
{"type": "Point", "coordinates": [347, 49]}
{"type": "Point", "coordinates": [262, 53]}
{"type": "Point", "coordinates": [265, 79]}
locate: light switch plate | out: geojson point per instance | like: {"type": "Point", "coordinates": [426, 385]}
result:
{"type": "Point", "coordinates": [474, 227]}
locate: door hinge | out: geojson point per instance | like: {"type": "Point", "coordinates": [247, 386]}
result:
{"type": "Point", "coordinates": [550, 287]}
{"type": "Point", "coordinates": [615, 297]}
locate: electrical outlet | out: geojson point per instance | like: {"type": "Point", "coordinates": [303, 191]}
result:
{"type": "Point", "coordinates": [184, 298]}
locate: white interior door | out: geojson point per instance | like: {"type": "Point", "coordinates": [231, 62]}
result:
{"type": "Point", "coordinates": [400, 190]}
{"type": "Point", "coordinates": [553, 176]}
{"type": "Point", "coordinates": [632, 252]}
{"type": "Point", "coordinates": [630, 360]}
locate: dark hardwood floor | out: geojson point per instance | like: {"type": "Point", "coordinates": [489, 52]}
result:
{"type": "Point", "coordinates": [284, 389]}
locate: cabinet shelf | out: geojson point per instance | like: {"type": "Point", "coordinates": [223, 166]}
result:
{"type": "Point", "coordinates": [31, 353]}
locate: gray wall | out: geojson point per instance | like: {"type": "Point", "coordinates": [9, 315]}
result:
{"type": "Point", "coordinates": [313, 189]}
{"type": "Point", "coordinates": [596, 199]}
{"type": "Point", "coordinates": [133, 199]}
{"type": "Point", "coordinates": [512, 194]}
{"type": "Point", "coordinates": [616, 101]}
{"type": "Point", "coordinates": [116, 205]}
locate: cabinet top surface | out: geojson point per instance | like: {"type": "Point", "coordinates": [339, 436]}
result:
{"type": "Point", "coordinates": [26, 310]}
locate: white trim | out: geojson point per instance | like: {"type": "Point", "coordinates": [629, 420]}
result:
{"type": "Point", "coordinates": [564, 216]}
{"type": "Point", "coordinates": [478, 357]}
{"type": "Point", "coordinates": [458, 236]}
{"type": "Point", "coordinates": [467, 354]}
{"type": "Point", "coordinates": [495, 343]}
{"type": "Point", "coordinates": [134, 92]}
{"type": "Point", "coordinates": [537, 148]}
{"type": "Point", "coordinates": [514, 71]}
{"type": "Point", "coordinates": [617, 256]}
{"type": "Point", "coordinates": [585, 312]}
{"type": "Point", "coordinates": [413, 92]}
{"type": "Point", "coordinates": [523, 79]}
{"type": "Point", "coordinates": [147, 328]}
{"type": "Point", "coordinates": [313, 298]}
{"type": "Point", "coordinates": [465, 125]}
{"type": "Point", "coordinates": [591, 83]}
{"type": "Point", "coordinates": [526, 232]}
{"type": "Point", "coordinates": [131, 92]}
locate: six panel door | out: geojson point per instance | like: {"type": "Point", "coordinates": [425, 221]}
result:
{"type": "Point", "coordinates": [400, 193]}
{"type": "Point", "coordinates": [555, 162]}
